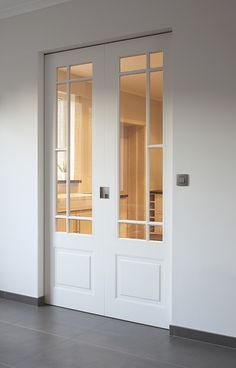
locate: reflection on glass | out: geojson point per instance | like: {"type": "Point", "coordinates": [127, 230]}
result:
{"type": "Point", "coordinates": [156, 184]}
{"type": "Point", "coordinates": [132, 146]}
{"type": "Point", "coordinates": [131, 63]}
{"type": "Point", "coordinates": [155, 233]}
{"type": "Point", "coordinates": [81, 149]}
{"type": "Point", "coordinates": [81, 227]}
{"type": "Point", "coordinates": [61, 225]}
{"type": "Point", "coordinates": [81, 71]}
{"type": "Point", "coordinates": [156, 169]}
{"type": "Point", "coordinates": [155, 209]}
{"type": "Point", "coordinates": [156, 108]}
{"type": "Point", "coordinates": [61, 183]}
{"type": "Point", "coordinates": [61, 73]}
{"type": "Point", "coordinates": [132, 231]}
{"type": "Point", "coordinates": [156, 60]}
{"type": "Point", "coordinates": [61, 115]}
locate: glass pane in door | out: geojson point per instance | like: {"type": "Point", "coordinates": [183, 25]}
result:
{"type": "Point", "coordinates": [132, 231]}
{"type": "Point", "coordinates": [156, 59]}
{"type": "Point", "coordinates": [73, 148]}
{"type": "Point", "coordinates": [81, 227]}
{"type": "Point", "coordinates": [141, 147]}
{"type": "Point", "coordinates": [61, 225]}
{"type": "Point", "coordinates": [133, 147]}
{"type": "Point", "coordinates": [61, 73]}
{"type": "Point", "coordinates": [156, 184]}
{"type": "Point", "coordinates": [131, 63]}
{"type": "Point", "coordinates": [61, 115]}
{"type": "Point", "coordinates": [155, 233]}
{"type": "Point", "coordinates": [61, 183]}
{"type": "Point", "coordinates": [81, 149]}
{"type": "Point", "coordinates": [81, 71]}
{"type": "Point", "coordinates": [156, 108]}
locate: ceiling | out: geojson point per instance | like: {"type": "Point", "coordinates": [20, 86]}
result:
{"type": "Point", "coordinates": [10, 8]}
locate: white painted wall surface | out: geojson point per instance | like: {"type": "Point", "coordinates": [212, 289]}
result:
{"type": "Point", "coordinates": [204, 110]}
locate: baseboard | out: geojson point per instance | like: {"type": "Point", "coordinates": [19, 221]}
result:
{"type": "Point", "coordinates": [22, 298]}
{"type": "Point", "coordinates": [203, 336]}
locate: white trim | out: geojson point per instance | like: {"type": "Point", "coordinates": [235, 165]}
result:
{"type": "Point", "coordinates": [147, 148]}
{"type": "Point", "coordinates": [41, 176]}
{"type": "Point", "coordinates": [82, 79]}
{"type": "Point", "coordinates": [68, 155]}
{"type": "Point", "coordinates": [141, 71]}
{"type": "Point", "coordinates": [84, 218]}
{"type": "Point", "coordinates": [155, 145]}
{"type": "Point", "coordinates": [155, 223]}
{"type": "Point", "coordinates": [60, 149]}
{"type": "Point", "coordinates": [132, 222]}
{"type": "Point", "coordinates": [80, 218]}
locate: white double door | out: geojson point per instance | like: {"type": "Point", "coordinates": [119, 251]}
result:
{"type": "Point", "coordinates": [107, 162]}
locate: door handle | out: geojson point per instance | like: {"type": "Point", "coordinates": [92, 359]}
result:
{"type": "Point", "coordinates": [104, 192]}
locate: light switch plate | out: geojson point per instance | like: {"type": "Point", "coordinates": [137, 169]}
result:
{"type": "Point", "coordinates": [182, 180]}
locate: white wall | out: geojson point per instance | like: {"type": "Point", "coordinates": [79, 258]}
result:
{"type": "Point", "coordinates": [204, 89]}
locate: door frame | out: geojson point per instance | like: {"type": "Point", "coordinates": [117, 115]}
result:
{"type": "Point", "coordinates": [43, 227]}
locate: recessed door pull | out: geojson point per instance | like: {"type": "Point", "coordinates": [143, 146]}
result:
{"type": "Point", "coordinates": [104, 192]}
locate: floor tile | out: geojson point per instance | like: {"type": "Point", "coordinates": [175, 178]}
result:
{"type": "Point", "coordinates": [17, 343]}
{"type": "Point", "coordinates": [72, 354]}
{"type": "Point", "coordinates": [58, 321]}
{"type": "Point", "coordinates": [138, 340]}
{"type": "Point", "coordinates": [147, 363]}
{"type": "Point", "coordinates": [194, 354]}
{"type": "Point", "coordinates": [152, 343]}
{"type": "Point", "coordinates": [47, 336]}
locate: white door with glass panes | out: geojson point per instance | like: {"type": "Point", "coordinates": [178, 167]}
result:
{"type": "Point", "coordinates": [108, 174]}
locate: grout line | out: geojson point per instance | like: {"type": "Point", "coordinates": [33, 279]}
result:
{"type": "Point", "coordinates": [79, 341]}
{"type": "Point", "coordinates": [33, 329]}
{"type": "Point", "coordinates": [128, 353]}
{"type": "Point", "coordinates": [18, 324]}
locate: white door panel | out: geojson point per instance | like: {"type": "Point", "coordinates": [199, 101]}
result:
{"type": "Point", "coordinates": [138, 286]}
{"type": "Point", "coordinates": [113, 258]}
{"type": "Point", "coordinates": [73, 255]}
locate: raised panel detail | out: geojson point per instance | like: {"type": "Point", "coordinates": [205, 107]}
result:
{"type": "Point", "coordinates": [138, 279]}
{"type": "Point", "coordinates": [73, 269]}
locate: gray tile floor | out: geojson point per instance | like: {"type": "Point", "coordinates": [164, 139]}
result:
{"type": "Point", "coordinates": [43, 337]}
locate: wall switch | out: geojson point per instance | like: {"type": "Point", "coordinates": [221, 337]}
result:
{"type": "Point", "coordinates": [182, 180]}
